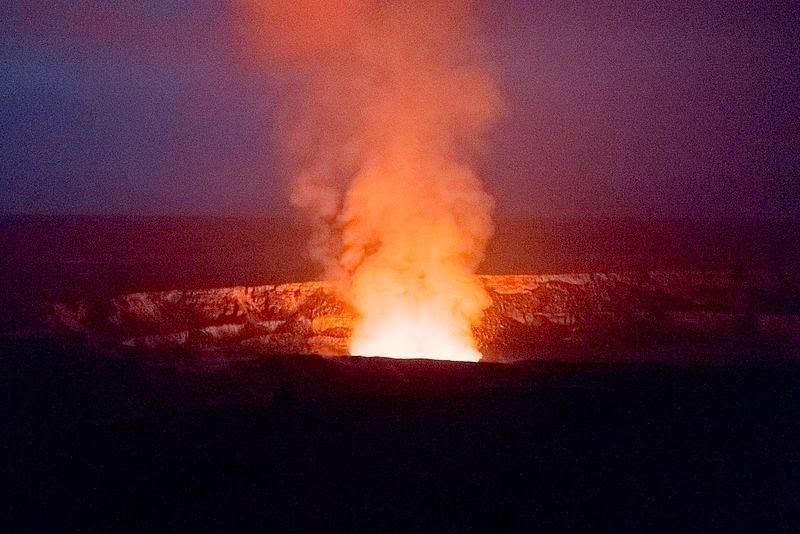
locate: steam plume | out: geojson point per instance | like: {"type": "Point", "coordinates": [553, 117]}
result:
{"type": "Point", "coordinates": [389, 110]}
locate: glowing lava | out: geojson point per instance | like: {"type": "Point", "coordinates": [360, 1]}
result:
{"type": "Point", "coordinates": [416, 294]}
{"type": "Point", "coordinates": [414, 337]}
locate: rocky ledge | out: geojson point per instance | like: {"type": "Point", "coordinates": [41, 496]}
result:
{"type": "Point", "coordinates": [655, 315]}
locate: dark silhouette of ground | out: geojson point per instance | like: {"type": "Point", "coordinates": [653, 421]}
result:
{"type": "Point", "coordinates": [99, 443]}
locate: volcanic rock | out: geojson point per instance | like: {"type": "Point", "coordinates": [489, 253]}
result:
{"type": "Point", "coordinates": [569, 316]}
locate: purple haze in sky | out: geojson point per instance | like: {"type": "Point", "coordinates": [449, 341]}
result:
{"type": "Point", "coordinates": [675, 109]}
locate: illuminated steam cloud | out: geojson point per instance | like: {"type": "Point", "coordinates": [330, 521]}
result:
{"type": "Point", "coordinates": [389, 107]}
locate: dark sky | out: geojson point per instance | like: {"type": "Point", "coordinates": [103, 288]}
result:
{"type": "Point", "coordinates": [676, 109]}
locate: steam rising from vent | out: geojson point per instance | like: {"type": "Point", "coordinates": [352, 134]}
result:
{"type": "Point", "coordinates": [391, 101]}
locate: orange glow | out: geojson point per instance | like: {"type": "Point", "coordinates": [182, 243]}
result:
{"type": "Point", "coordinates": [410, 250]}
{"type": "Point", "coordinates": [396, 98]}
{"type": "Point", "coordinates": [413, 335]}
{"type": "Point", "coordinates": [417, 297]}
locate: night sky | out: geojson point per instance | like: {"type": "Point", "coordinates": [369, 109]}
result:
{"type": "Point", "coordinates": [159, 107]}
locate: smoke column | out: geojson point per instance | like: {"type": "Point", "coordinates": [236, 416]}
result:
{"type": "Point", "coordinates": [391, 102]}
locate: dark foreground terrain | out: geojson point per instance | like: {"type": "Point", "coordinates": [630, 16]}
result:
{"type": "Point", "coordinates": [151, 443]}
{"type": "Point", "coordinates": [104, 426]}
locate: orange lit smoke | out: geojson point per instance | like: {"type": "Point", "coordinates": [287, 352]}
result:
{"type": "Point", "coordinates": [387, 108]}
